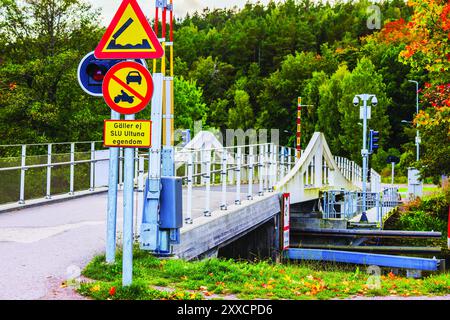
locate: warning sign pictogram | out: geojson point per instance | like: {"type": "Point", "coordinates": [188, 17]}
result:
{"type": "Point", "coordinates": [129, 36]}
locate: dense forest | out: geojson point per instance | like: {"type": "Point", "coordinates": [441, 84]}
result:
{"type": "Point", "coordinates": [245, 69]}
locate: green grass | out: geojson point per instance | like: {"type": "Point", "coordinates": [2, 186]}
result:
{"type": "Point", "coordinates": [425, 189]}
{"type": "Point", "coordinates": [219, 279]}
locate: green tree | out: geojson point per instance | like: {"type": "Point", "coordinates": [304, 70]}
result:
{"type": "Point", "coordinates": [241, 116]}
{"type": "Point", "coordinates": [329, 116]}
{"type": "Point", "coordinates": [188, 104]}
{"type": "Point", "coordinates": [45, 41]}
{"type": "Point", "coordinates": [213, 76]}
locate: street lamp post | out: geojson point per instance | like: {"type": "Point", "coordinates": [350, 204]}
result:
{"type": "Point", "coordinates": [365, 114]}
{"type": "Point", "coordinates": [417, 112]}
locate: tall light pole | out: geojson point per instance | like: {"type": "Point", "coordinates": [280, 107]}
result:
{"type": "Point", "coordinates": [364, 114]}
{"type": "Point", "coordinates": [417, 112]}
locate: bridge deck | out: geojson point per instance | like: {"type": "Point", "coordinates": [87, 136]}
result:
{"type": "Point", "coordinates": [39, 244]}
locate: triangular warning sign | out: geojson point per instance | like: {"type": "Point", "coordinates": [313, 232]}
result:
{"type": "Point", "coordinates": [129, 36]}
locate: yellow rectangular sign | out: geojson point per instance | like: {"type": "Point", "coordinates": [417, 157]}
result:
{"type": "Point", "coordinates": [127, 133]}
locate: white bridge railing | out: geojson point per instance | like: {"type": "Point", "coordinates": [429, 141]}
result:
{"type": "Point", "coordinates": [353, 173]}
{"type": "Point", "coordinates": [247, 171]}
{"type": "Point", "coordinates": [45, 169]}
{"type": "Point", "coordinates": [258, 166]}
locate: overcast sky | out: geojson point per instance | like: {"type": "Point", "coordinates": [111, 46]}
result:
{"type": "Point", "coordinates": [181, 7]}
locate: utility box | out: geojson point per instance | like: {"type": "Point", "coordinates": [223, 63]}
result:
{"type": "Point", "coordinates": [171, 203]}
{"type": "Point", "coordinates": [415, 184]}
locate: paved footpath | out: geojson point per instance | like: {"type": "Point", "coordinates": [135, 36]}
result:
{"type": "Point", "coordinates": [40, 246]}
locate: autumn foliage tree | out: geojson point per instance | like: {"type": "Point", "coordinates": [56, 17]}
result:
{"type": "Point", "coordinates": [426, 40]}
{"type": "Point", "coordinates": [434, 122]}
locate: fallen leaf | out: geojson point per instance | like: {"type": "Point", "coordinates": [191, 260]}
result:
{"type": "Point", "coordinates": [267, 286]}
{"type": "Point", "coordinates": [393, 292]}
{"type": "Point", "coordinates": [95, 288]}
{"type": "Point", "coordinates": [192, 296]}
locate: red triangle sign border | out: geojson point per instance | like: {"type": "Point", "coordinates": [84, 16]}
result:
{"type": "Point", "coordinates": [129, 54]}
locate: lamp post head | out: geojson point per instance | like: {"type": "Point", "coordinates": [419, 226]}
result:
{"type": "Point", "coordinates": [356, 101]}
{"type": "Point", "coordinates": [374, 101]}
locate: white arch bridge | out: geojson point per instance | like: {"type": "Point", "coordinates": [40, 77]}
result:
{"type": "Point", "coordinates": [227, 191]}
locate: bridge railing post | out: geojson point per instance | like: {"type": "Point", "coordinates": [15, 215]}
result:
{"type": "Point", "coordinates": [194, 166]}
{"type": "Point", "coordinates": [232, 161]}
{"type": "Point", "coordinates": [261, 170]}
{"type": "Point", "coordinates": [289, 159]}
{"type": "Point", "coordinates": [139, 193]}
{"type": "Point", "coordinates": [306, 183]}
{"type": "Point", "coordinates": [213, 165]}
{"type": "Point", "coordinates": [266, 167]}
{"type": "Point", "coordinates": [92, 168]}
{"type": "Point", "coordinates": [352, 166]}
{"type": "Point", "coordinates": [49, 171]}
{"type": "Point", "coordinates": [348, 170]}
{"type": "Point", "coordinates": [238, 175]}
{"type": "Point", "coordinates": [72, 167]}
{"type": "Point", "coordinates": [206, 155]}
{"type": "Point", "coordinates": [223, 173]}
{"type": "Point", "coordinates": [190, 169]}
{"type": "Point", "coordinates": [274, 174]}
{"type": "Point", "coordinates": [22, 175]}
{"type": "Point", "coordinates": [250, 173]}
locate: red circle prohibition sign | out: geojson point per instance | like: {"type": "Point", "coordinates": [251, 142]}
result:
{"type": "Point", "coordinates": [128, 87]}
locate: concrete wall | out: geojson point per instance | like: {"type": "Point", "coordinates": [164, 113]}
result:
{"type": "Point", "coordinates": [209, 233]}
{"type": "Point", "coordinates": [259, 244]}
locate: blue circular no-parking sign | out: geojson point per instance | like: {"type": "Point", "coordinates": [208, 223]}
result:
{"type": "Point", "coordinates": [92, 71]}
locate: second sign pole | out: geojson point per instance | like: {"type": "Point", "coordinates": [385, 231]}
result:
{"type": "Point", "coordinates": [128, 214]}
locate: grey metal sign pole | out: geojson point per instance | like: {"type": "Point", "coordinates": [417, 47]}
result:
{"type": "Point", "coordinates": [128, 190]}
{"type": "Point", "coordinates": [112, 199]}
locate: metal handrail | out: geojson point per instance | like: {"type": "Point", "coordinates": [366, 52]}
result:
{"type": "Point", "coordinates": [47, 143]}
{"type": "Point", "coordinates": [45, 165]}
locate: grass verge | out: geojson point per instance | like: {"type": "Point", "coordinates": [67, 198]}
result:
{"type": "Point", "coordinates": [224, 279]}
